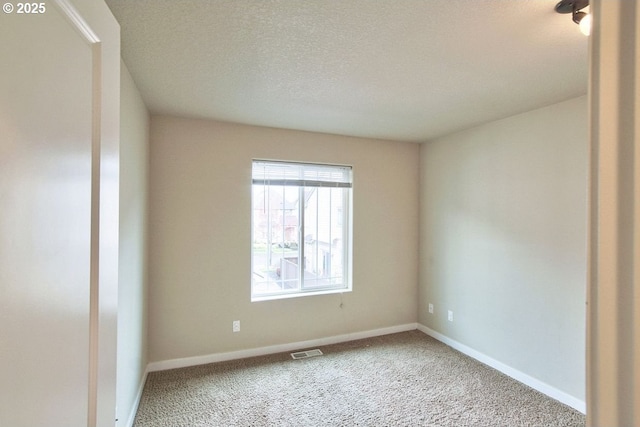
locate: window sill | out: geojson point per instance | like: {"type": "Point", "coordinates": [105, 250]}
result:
{"type": "Point", "coordinates": [299, 294]}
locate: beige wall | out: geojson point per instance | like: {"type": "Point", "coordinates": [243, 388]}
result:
{"type": "Point", "coordinates": [132, 288]}
{"type": "Point", "coordinates": [200, 187]}
{"type": "Point", "coordinates": [503, 241]}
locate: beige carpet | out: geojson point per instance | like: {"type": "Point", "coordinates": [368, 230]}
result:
{"type": "Point", "coordinates": [405, 379]}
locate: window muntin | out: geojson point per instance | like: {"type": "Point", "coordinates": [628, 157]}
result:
{"type": "Point", "coordinates": [300, 229]}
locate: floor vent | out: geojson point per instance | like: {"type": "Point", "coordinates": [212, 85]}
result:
{"type": "Point", "coordinates": [305, 354]}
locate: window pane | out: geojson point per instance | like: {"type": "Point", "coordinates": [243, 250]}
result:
{"type": "Point", "coordinates": [299, 228]}
{"type": "Point", "coordinates": [275, 251]}
{"type": "Point", "coordinates": [338, 235]}
{"type": "Point", "coordinates": [323, 231]}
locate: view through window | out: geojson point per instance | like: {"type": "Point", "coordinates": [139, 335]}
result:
{"type": "Point", "coordinates": [300, 229]}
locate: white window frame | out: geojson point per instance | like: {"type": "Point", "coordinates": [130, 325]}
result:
{"type": "Point", "coordinates": [305, 176]}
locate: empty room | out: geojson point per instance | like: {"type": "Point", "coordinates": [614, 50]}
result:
{"type": "Point", "coordinates": [279, 213]}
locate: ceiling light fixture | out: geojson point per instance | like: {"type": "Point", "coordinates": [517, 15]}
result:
{"type": "Point", "coordinates": [574, 7]}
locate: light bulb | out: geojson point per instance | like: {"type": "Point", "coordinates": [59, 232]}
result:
{"type": "Point", "coordinates": [585, 24]}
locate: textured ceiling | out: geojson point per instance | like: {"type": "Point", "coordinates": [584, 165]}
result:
{"type": "Point", "coordinates": [406, 70]}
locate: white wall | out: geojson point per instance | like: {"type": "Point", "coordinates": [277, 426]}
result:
{"type": "Point", "coordinates": [132, 288]}
{"type": "Point", "coordinates": [200, 188]}
{"type": "Point", "coordinates": [58, 233]}
{"type": "Point", "coordinates": [503, 241]}
{"type": "Point", "coordinates": [613, 320]}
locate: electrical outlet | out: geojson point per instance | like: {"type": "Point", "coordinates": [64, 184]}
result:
{"type": "Point", "coordinates": [450, 316]}
{"type": "Point", "coordinates": [431, 308]}
{"type": "Point", "coordinates": [236, 326]}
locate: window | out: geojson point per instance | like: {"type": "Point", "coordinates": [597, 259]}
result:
{"type": "Point", "coordinates": [300, 229]}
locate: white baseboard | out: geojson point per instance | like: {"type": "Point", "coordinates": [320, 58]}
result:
{"type": "Point", "coordinates": [534, 383]}
{"type": "Point", "coordinates": [280, 348]}
{"type": "Point", "coordinates": [136, 403]}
